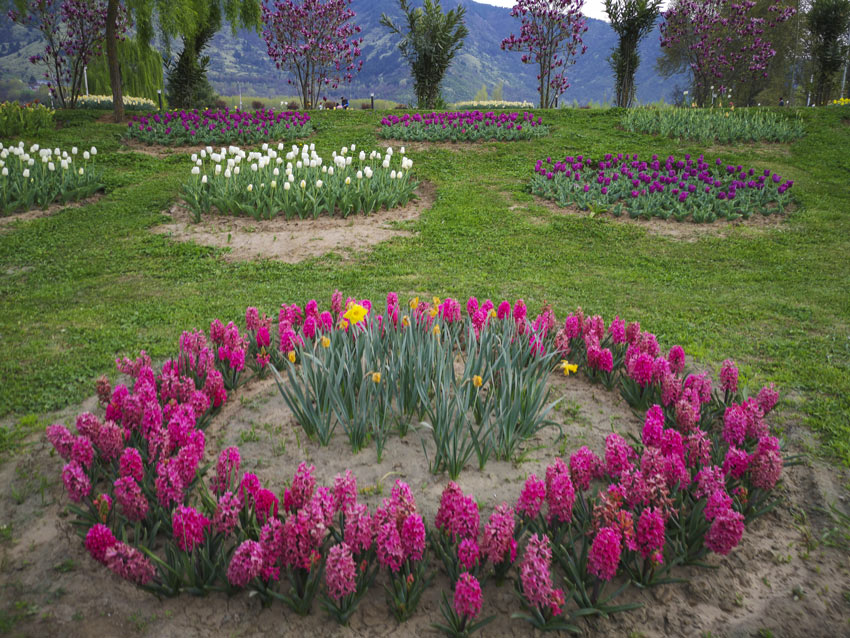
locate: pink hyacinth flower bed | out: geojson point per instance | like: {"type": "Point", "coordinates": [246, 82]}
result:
{"type": "Point", "coordinates": [702, 467]}
{"type": "Point", "coordinates": [463, 126]}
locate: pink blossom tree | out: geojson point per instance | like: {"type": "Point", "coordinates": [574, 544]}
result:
{"type": "Point", "coordinates": [74, 32]}
{"type": "Point", "coordinates": [722, 42]}
{"type": "Point", "coordinates": [550, 37]}
{"type": "Point", "coordinates": [315, 42]}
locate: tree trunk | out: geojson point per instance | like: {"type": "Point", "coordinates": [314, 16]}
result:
{"type": "Point", "coordinates": [112, 61]}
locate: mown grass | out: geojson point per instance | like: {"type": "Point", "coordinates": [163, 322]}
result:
{"type": "Point", "coordinates": [91, 283]}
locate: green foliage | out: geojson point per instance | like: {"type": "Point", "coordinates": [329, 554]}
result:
{"type": "Point", "coordinates": [188, 86]}
{"type": "Point", "coordinates": [498, 91]}
{"type": "Point", "coordinates": [828, 21]}
{"type": "Point", "coordinates": [481, 95]}
{"type": "Point", "coordinates": [632, 21]}
{"type": "Point", "coordinates": [31, 119]}
{"type": "Point", "coordinates": [141, 71]}
{"type": "Point", "coordinates": [429, 43]}
{"type": "Point", "coordinates": [709, 126]}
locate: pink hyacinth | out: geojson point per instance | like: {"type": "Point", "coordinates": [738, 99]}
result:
{"type": "Point", "coordinates": [532, 496]}
{"type": "Point", "coordinates": [340, 572]}
{"type": "Point", "coordinates": [88, 424]}
{"type": "Point", "coordinates": [168, 483]}
{"type": "Point", "coordinates": [617, 330]}
{"type": "Point", "coordinates": [61, 439]}
{"type": "Point", "coordinates": [618, 455]}
{"type": "Point", "coordinates": [99, 539]}
{"type": "Point", "coordinates": [497, 541]}
{"type": "Point", "coordinates": [82, 451]}
{"type": "Point", "coordinates": [736, 462]}
{"type": "Point", "coordinates": [716, 504]}
{"type": "Point", "coordinates": [584, 467]}
{"type": "Point", "coordinates": [520, 311]}
{"type": "Point", "coordinates": [226, 516]}
{"type": "Point", "coordinates": [468, 553]}
{"type": "Point", "coordinates": [676, 357]}
{"type": "Point", "coordinates": [336, 302]}
{"type": "Point", "coordinates": [697, 448]}
{"type": "Point", "coordinates": [358, 528]}
{"type": "Point", "coordinates": [639, 368]}
{"type": "Point", "coordinates": [129, 563]}
{"type": "Point", "coordinates": [734, 425]}
{"type": "Point", "coordinates": [246, 564]}
{"type": "Point", "coordinates": [458, 514]}
{"type": "Point", "coordinates": [345, 491]}
{"type": "Point", "coordinates": [729, 376]}
{"type": "Point", "coordinates": [130, 497]}
{"type": "Point", "coordinates": [390, 552]}
{"type": "Point", "coordinates": [560, 493]}
{"type": "Point", "coordinates": [110, 441]}
{"type": "Point", "coordinates": [534, 572]}
{"type": "Point", "coordinates": [708, 480]}
{"type": "Point", "coordinates": [725, 532]}
{"type": "Point", "coordinates": [756, 426]}
{"type": "Point", "coordinates": [303, 485]}
{"type": "Point", "coordinates": [413, 537]}
{"type": "Point", "coordinates": [653, 428]}
{"type": "Point", "coordinates": [649, 534]}
{"type": "Point", "coordinates": [687, 410]}
{"type": "Point", "coordinates": [604, 555]}
{"type": "Point", "coordinates": [130, 464]}
{"type": "Point", "coordinates": [188, 526]}
{"type": "Point", "coordinates": [467, 601]}
{"type": "Point", "coordinates": [766, 463]}
{"type": "Point", "coordinates": [226, 469]}
{"type": "Point", "coordinates": [77, 483]}
{"type": "Point", "coordinates": [504, 310]}
{"type": "Point", "coordinates": [265, 505]}
{"type": "Point", "coordinates": [767, 398]}
{"type": "Point", "coordinates": [671, 388]}
{"type": "Point", "coordinates": [271, 542]}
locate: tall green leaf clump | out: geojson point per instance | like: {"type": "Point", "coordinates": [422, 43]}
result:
{"type": "Point", "coordinates": [429, 43]}
{"type": "Point", "coordinates": [141, 71]}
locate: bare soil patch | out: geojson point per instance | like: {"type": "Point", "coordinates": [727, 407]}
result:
{"type": "Point", "coordinates": [686, 231]}
{"type": "Point", "coordinates": [294, 240]}
{"type": "Point", "coordinates": [36, 213]}
{"type": "Point", "coordinates": [778, 579]}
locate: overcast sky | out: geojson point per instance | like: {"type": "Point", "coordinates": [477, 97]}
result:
{"type": "Point", "coordinates": [592, 8]}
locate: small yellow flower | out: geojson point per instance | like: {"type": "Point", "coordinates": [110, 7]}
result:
{"type": "Point", "coordinates": [437, 330]}
{"type": "Point", "coordinates": [405, 321]}
{"type": "Point", "coordinates": [568, 367]}
{"type": "Point", "coordinates": [326, 343]}
{"type": "Point", "coordinates": [436, 301]}
{"type": "Point", "coordinates": [493, 313]}
{"type": "Point", "coordinates": [477, 381]}
{"type": "Point", "coordinates": [291, 356]}
{"type": "Point", "coordinates": [414, 303]}
{"type": "Point", "coordinates": [434, 311]}
{"type": "Point", "coordinates": [376, 377]}
{"type": "Point", "coordinates": [355, 313]}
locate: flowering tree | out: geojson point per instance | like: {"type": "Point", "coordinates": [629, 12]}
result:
{"type": "Point", "coordinates": [722, 41]}
{"type": "Point", "coordinates": [550, 36]}
{"type": "Point", "coordinates": [74, 32]}
{"type": "Point", "coordinates": [315, 42]}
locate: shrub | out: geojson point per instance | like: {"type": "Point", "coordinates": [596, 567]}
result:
{"type": "Point", "coordinates": [257, 105]}
{"type": "Point", "coordinates": [29, 119]}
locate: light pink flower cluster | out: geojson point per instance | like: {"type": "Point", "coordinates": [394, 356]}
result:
{"type": "Point", "coordinates": [458, 514]}
{"type": "Point", "coordinates": [399, 530]}
{"type": "Point", "coordinates": [340, 572]}
{"type": "Point", "coordinates": [497, 542]}
{"type": "Point", "coordinates": [536, 577]}
{"type": "Point", "coordinates": [226, 469]}
{"type": "Point", "coordinates": [226, 516]}
{"type": "Point", "coordinates": [303, 485]}
{"type": "Point", "coordinates": [345, 491]}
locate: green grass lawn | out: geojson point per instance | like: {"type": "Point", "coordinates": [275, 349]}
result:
{"type": "Point", "coordinates": [81, 287]}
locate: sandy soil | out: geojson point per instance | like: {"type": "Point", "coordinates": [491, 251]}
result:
{"type": "Point", "coordinates": [686, 231]}
{"type": "Point", "coordinates": [7, 222]}
{"type": "Point", "coordinates": [294, 240]}
{"type": "Point", "coordinates": [779, 578]}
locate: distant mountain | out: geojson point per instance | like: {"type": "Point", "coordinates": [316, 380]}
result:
{"type": "Point", "coordinates": [241, 61]}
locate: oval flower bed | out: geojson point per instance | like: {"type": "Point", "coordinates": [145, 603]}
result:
{"type": "Point", "coordinates": [703, 467]}
{"type": "Point", "coordinates": [296, 183]}
{"type": "Point", "coordinates": [678, 188]}
{"type": "Point", "coordinates": [463, 126]}
{"type": "Point", "coordinates": [218, 127]}
{"type": "Point", "coordinates": [41, 176]}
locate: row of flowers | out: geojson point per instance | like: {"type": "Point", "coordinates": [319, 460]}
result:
{"type": "Point", "coordinates": [463, 126]}
{"type": "Point", "coordinates": [704, 466]}
{"type": "Point", "coordinates": [221, 126]}
{"type": "Point", "coordinates": [296, 183]}
{"type": "Point", "coordinates": [24, 119]}
{"type": "Point", "coordinates": [37, 176]}
{"type": "Point", "coordinates": [105, 102]}
{"type": "Point", "coordinates": [686, 188]}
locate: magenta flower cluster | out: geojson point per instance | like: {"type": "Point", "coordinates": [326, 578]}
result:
{"type": "Point", "coordinates": [462, 126]}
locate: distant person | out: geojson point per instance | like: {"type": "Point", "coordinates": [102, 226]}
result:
{"type": "Point", "coordinates": [344, 101]}
{"type": "Point", "coordinates": [782, 101]}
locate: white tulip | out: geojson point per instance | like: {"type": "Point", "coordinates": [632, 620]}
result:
{"type": "Point", "coordinates": [5, 171]}
{"type": "Point", "coordinates": [402, 150]}
{"type": "Point", "coordinates": [218, 169]}
{"type": "Point", "coordinates": [236, 170]}
{"type": "Point", "coordinates": [81, 171]}
{"type": "Point", "coordinates": [204, 179]}
{"type": "Point", "coordinates": [93, 150]}
{"type": "Point", "coordinates": [318, 183]}
{"type": "Point", "coordinates": [254, 167]}
{"type": "Point", "coordinates": [195, 170]}
{"type": "Point", "coordinates": [26, 173]}
{"type": "Point", "coordinates": [250, 187]}
{"type": "Point", "coordinates": [73, 150]}
{"type": "Point", "coordinates": [274, 184]}
{"type": "Point", "coordinates": [303, 184]}
{"type": "Point", "coordinates": [286, 186]}
{"type": "Point", "coordinates": [362, 156]}
{"type": "Point", "coordinates": [347, 181]}
{"type": "Point", "coordinates": [386, 163]}
{"type": "Point", "coordinates": [86, 155]}
{"type": "Point", "coordinates": [276, 172]}
{"type": "Point", "coordinates": [227, 174]}
{"type": "Point", "coordinates": [359, 174]}
{"type": "Point", "coordinates": [51, 167]}
{"type": "Point", "coordinates": [392, 175]}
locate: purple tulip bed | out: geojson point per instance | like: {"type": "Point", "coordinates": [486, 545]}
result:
{"type": "Point", "coordinates": [463, 126]}
{"type": "Point", "coordinates": [221, 126]}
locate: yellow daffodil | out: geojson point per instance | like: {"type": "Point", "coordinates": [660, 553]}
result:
{"type": "Point", "coordinates": [414, 303]}
{"type": "Point", "coordinates": [434, 311]}
{"type": "Point", "coordinates": [477, 381]}
{"type": "Point", "coordinates": [493, 313]}
{"type": "Point", "coordinates": [291, 356]}
{"type": "Point", "coordinates": [436, 301]}
{"type": "Point", "coordinates": [376, 377]}
{"type": "Point", "coordinates": [355, 313]}
{"type": "Point", "coordinates": [437, 330]}
{"type": "Point", "coordinates": [405, 321]}
{"type": "Point", "coordinates": [568, 367]}
{"type": "Point", "coordinates": [326, 343]}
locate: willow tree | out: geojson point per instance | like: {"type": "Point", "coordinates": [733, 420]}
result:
{"type": "Point", "coordinates": [828, 21]}
{"type": "Point", "coordinates": [632, 21]}
{"type": "Point", "coordinates": [430, 40]}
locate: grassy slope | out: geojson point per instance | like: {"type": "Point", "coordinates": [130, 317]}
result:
{"type": "Point", "coordinates": [81, 287]}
